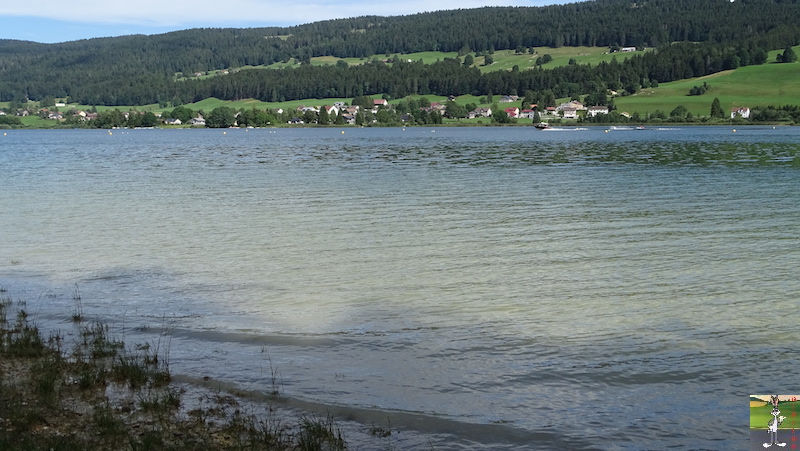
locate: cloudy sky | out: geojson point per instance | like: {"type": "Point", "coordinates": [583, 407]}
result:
{"type": "Point", "coordinates": [59, 21]}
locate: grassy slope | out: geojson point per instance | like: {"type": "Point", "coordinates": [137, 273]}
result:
{"type": "Point", "coordinates": [503, 59]}
{"type": "Point", "coordinates": [771, 84]}
{"type": "Point", "coordinates": [768, 84]}
{"type": "Point", "coordinates": [775, 84]}
{"type": "Point", "coordinates": [426, 57]}
{"type": "Point", "coordinates": [506, 59]}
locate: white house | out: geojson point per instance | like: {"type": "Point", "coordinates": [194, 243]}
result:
{"type": "Point", "coordinates": [595, 110]}
{"type": "Point", "coordinates": [742, 112]}
{"type": "Point", "coordinates": [574, 105]}
{"type": "Point", "coordinates": [480, 112]}
{"type": "Point", "coordinates": [569, 113]}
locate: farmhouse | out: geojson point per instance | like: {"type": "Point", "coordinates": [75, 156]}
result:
{"type": "Point", "coordinates": [595, 110]}
{"type": "Point", "coordinates": [436, 106]}
{"type": "Point", "coordinates": [480, 112]}
{"type": "Point", "coordinates": [569, 113]}
{"type": "Point", "coordinates": [573, 105]}
{"type": "Point", "coordinates": [742, 112]}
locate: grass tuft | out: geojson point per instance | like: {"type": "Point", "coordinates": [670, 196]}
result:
{"type": "Point", "coordinates": [320, 433]}
{"type": "Point", "coordinates": [103, 395]}
{"type": "Point", "coordinates": [77, 313]}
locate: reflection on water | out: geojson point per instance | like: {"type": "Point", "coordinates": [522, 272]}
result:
{"type": "Point", "coordinates": [590, 289]}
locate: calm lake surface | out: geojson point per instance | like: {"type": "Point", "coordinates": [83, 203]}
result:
{"type": "Point", "coordinates": [471, 288]}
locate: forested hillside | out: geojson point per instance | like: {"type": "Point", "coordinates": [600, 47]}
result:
{"type": "Point", "coordinates": [132, 70]}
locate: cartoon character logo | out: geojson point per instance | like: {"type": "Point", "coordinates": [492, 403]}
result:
{"type": "Point", "coordinates": [773, 424]}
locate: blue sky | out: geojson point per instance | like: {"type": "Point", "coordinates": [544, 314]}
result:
{"type": "Point", "coordinates": [58, 21]}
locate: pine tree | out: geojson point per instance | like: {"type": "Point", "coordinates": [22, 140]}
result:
{"type": "Point", "coordinates": [716, 109]}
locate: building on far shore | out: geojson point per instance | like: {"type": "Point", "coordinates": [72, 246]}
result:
{"type": "Point", "coordinates": [595, 110]}
{"type": "Point", "coordinates": [742, 112]}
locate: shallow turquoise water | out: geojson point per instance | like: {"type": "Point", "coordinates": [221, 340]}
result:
{"type": "Point", "coordinates": [487, 287]}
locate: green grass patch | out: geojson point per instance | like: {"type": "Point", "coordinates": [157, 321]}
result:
{"type": "Point", "coordinates": [584, 55]}
{"type": "Point", "coordinates": [34, 121]}
{"type": "Point", "coordinates": [507, 59]}
{"type": "Point", "coordinates": [503, 59]}
{"type": "Point", "coordinates": [427, 57]}
{"type": "Point", "coordinates": [209, 104]}
{"type": "Point", "coordinates": [767, 84]}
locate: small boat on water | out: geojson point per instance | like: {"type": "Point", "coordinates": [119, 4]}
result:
{"type": "Point", "coordinates": [542, 125]}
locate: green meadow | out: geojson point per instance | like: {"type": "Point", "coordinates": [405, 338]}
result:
{"type": "Point", "coordinates": [767, 84]}
{"type": "Point", "coordinates": [503, 59]}
{"type": "Point", "coordinates": [507, 59]}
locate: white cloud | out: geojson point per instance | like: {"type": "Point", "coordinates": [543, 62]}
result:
{"type": "Point", "coordinates": [213, 13]}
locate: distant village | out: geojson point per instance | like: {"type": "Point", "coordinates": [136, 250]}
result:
{"type": "Point", "coordinates": [349, 114]}
{"type": "Point", "coordinates": [570, 110]}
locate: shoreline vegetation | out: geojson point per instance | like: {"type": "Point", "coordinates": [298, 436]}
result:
{"type": "Point", "coordinates": [763, 94]}
{"type": "Point", "coordinates": [405, 113]}
{"type": "Point", "coordinates": [443, 122]}
{"type": "Point", "coordinates": [88, 390]}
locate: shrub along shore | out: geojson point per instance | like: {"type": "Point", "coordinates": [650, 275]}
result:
{"type": "Point", "coordinates": [100, 394]}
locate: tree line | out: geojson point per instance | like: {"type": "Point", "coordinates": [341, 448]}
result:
{"type": "Point", "coordinates": [407, 112]}
{"type": "Point", "coordinates": [135, 70]}
{"type": "Point", "coordinates": [448, 77]}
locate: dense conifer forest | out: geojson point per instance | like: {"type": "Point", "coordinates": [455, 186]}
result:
{"type": "Point", "coordinates": [692, 38]}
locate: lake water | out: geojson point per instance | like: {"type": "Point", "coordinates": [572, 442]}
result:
{"type": "Point", "coordinates": [468, 288]}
